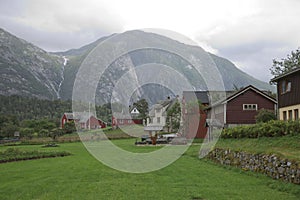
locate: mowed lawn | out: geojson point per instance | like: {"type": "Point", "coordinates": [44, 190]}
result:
{"type": "Point", "coordinates": [80, 176]}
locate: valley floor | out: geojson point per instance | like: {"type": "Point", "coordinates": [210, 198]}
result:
{"type": "Point", "coordinates": [81, 176]}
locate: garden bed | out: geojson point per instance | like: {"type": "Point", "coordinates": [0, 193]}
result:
{"type": "Point", "coordinates": [14, 154]}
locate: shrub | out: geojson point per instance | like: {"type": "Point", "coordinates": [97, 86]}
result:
{"type": "Point", "coordinates": [273, 128]}
{"type": "Point", "coordinates": [265, 115]}
{"type": "Point", "coordinates": [15, 154]}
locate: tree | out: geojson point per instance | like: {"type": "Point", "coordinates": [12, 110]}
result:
{"type": "Point", "coordinates": [264, 115]}
{"type": "Point", "coordinates": [54, 133]}
{"type": "Point", "coordinates": [174, 117]}
{"type": "Point", "coordinates": [8, 125]}
{"type": "Point", "coordinates": [69, 127]}
{"type": "Point", "coordinates": [104, 112]}
{"type": "Point", "coordinates": [143, 107]}
{"type": "Point", "coordinates": [27, 132]}
{"type": "Point", "coordinates": [9, 129]}
{"type": "Point", "coordinates": [291, 62]}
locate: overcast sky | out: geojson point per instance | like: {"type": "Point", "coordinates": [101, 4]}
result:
{"type": "Point", "coordinates": [250, 33]}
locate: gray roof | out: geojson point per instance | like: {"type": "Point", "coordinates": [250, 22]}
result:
{"type": "Point", "coordinates": [69, 115]}
{"type": "Point", "coordinates": [162, 104]}
{"type": "Point", "coordinates": [119, 115]}
{"type": "Point", "coordinates": [202, 96]}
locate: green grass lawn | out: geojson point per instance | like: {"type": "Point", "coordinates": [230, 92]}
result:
{"type": "Point", "coordinates": [285, 147]}
{"type": "Point", "coordinates": [80, 176]}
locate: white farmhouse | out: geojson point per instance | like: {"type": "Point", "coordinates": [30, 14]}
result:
{"type": "Point", "coordinates": [158, 116]}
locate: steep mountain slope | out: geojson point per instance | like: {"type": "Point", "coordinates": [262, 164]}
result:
{"type": "Point", "coordinates": [232, 76]}
{"type": "Point", "coordinates": [27, 70]}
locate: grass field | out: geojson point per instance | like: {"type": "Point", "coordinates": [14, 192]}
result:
{"type": "Point", "coordinates": [80, 176]}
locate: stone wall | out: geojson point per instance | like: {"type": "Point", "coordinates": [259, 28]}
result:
{"type": "Point", "coordinates": [271, 165]}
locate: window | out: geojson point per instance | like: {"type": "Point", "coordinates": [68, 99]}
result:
{"type": "Point", "coordinates": [286, 86]}
{"type": "Point", "coordinates": [284, 115]}
{"type": "Point", "coordinates": [249, 106]}
{"type": "Point", "coordinates": [296, 114]}
{"type": "Point", "coordinates": [290, 114]}
{"type": "Point", "coordinates": [158, 120]}
{"type": "Point", "coordinates": [121, 121]}
{"type": "Point", "coordinates": [129, 121]}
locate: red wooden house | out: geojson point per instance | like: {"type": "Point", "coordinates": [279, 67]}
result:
{"type": "Point", "coordinates": [68, 117]}
{"type": "Point", "coordinates": [94, 123]}
{"type": "Point", "coordinates": [83, 120]}
{"type": "Point", "coordinates": [242, 107]}
{"type": "Point", "coordinates": [119, 119]}
{"type": "Point", "coordinates": [193, 118]}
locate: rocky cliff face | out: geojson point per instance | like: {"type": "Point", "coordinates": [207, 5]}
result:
{"type": "Point", "coordinates": [27, 70]}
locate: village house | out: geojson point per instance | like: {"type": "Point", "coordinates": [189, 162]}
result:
{"type": "Point", "coordinates": [194, 111]}
{"type": "Point", "coordinates": [121, 119]}
{"type": "Point", "coordinates": [241, 107]}
{"type": "Point", "coordinates": [235, 108]}
{"type": "Point", "coordinates": [83, 120]}
{"type": "Point", "coordinates": [192, 115]}
{"type": "Point", "coordinates": [158, 115]}
{"type": "Point", "coordinates": [134, 112]}
{"type": "Point", "coordinates": [288, 94]}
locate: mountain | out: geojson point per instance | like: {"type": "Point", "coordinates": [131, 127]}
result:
{"type": "Point", "coordinates": [27, 70]}
{"type": "Point", "coordinates": [30, 71]}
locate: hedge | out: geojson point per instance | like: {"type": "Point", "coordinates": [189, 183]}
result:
{"type": "Point", "coordinates": [15, 154]}
{"type": "Point", "coordinates": [273, 128]}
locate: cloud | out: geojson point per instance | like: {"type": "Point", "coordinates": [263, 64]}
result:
{"type": "Point", "coordinates": [253, 41]}
{"type": "Point", "coordinates": [250, 32]}
{"type": "Point", "coordinates": [69, 16]}
{"type": "Point", "coordinates": [59, 25]}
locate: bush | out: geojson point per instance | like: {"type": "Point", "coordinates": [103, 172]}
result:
{"type": "Point", "coordinates": [273, 128]}
{"type": "Point", "coordinates": [15, 154]}
{"type": "Point", "coordinates": [265, 116]}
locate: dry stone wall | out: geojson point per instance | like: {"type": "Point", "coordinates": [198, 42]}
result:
{"type": "Point", "coordinates": [271, 165]}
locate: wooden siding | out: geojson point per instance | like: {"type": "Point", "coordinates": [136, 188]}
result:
{"type": "Point", "coordinates": [195, 125]}
{"type": "Point", "coordinates": [125, 122]}
{"type": "Point", "coordinates": [95, 123]}
{"type": "Point", "coordinates": [292, 97]}
{"type": "Point", "coordinates": [235, 113]}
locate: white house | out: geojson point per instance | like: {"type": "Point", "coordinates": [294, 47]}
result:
{"type": "Point", "coordinates": [134, 112]}
{"type": "Point", "coordinates": [158, 116]}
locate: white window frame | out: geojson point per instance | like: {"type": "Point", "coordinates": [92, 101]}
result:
{"type": "Point", "coordinates": [250, 107]}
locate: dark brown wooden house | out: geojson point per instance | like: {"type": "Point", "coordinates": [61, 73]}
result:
{"type": "Point", "coordinates": [288, 92]}
{"type": "Point", "coordinates": [242, 107]}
